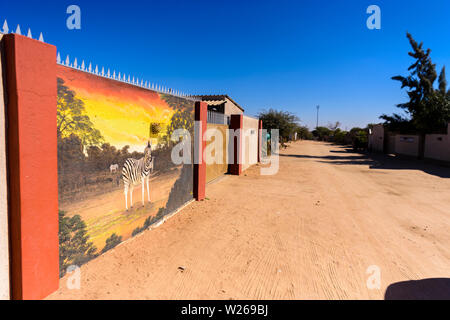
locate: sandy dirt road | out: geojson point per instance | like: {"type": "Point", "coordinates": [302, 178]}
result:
{"type": "Point", "coordinates": [309, 232]}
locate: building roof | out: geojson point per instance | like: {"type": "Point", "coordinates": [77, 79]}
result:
{"type": "Point", "coordinates": [215, 99]}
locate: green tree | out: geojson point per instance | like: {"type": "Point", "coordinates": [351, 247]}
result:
{"type": "Point", "coordinates": [285, 121]}
{"type": "Point", "coordinates": [303, 133]}
{"type": "Point", "coordinates": [322, 133]}
{"type": "Point", "coordinates": [428, 108]}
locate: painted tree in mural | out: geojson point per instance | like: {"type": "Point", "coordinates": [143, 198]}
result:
{"type": "Point", "coordinates": [183, 118]}
{"type": "Point", "coordinates": [72, 118]}
{"type": "Point", "coordinates": [74, 247]}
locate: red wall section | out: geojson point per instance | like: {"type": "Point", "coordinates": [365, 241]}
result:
{"type": "Point", "coordinates": [32, 164]}
{"type": "Point", "coordinates": [237, 122]}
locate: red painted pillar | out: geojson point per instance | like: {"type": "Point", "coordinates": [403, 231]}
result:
{"type": "Point", "coordinates": [259, 139]}
{"type": "Point", "coordinates": [236, 124]}
{"type": "Point", "coordinates": [32, 165]}
{"type": "Point", "coordinates": [201, 109]}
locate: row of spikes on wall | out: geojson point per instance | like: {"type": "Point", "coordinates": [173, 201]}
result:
{"type": "Point", "coordinates": [117, 76]}
{"type": "Point", "coordinates": [6, 30]}
{"type": "Point", "coordinates": [107, 74]}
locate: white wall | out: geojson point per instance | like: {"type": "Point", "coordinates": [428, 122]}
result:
{"type": "Point", "coordinates": [407, 145]}
{"type": "Point", "coordinates": [250, 142]}
{"type": "Point", "coordinates": [376, 139]}
{"type": "Point", "coordinates": [437, 146]}
{"type": "Point", "coordinates": [4, 250]}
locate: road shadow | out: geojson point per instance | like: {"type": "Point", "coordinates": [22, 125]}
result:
{"type": "Point", "coordinates": [347, 156]}
{"type": "Point", "coordinates": [426, 289]}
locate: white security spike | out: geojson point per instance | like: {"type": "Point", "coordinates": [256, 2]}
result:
{"type": "Point", "coordinates": [90, 67]}
{"type": "Point", "coordinates": [5, 27]}
{"type": "Point", "coordinates": [83, 66]}
{"type": "Point", "coordinates": [41, 37]}
{"type": "Point", "coordinates": [18, 30]}
{"type": "Point", "coordinates": [108, 74]}
{"type": "Point", "coordinates": [114, 74]}
{"type": "Point", "coordinates": [128, 78]}
{"type": "Point", "coordinates": [142, 82]}
{"type": "Point", "coordinates": [103, 71]}
{"type": "Point", "coordinates": [58, 58]}
{"type": "Point", "coordinates": [96, 69]}
{"type": "Point", "coordinates": [29, 34]}
{"type": "Point", "coordinates": [67, 60]}
{"type": "Point", "coordinates": [124, 79]}
{"type": "Point", "coordinates": [75, 63]}
{"type": "Point", "coordinates": [146, 84]}
{"type": "Point", "coordinates": [132, 81]}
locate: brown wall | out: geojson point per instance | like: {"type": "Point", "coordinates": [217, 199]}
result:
{"type": "Point", "coordinates": [213, 169]}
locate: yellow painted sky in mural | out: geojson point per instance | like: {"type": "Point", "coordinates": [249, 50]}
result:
{"type": "Point", "coordinates": [121, 112]}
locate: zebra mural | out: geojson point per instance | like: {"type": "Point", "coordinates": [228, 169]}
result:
{"type": "Point", "coordinates": [135, 172]}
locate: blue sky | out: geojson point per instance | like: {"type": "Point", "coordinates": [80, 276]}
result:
{"type": "Point", "coordinates": [290, 55]}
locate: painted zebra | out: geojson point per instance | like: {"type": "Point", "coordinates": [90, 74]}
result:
{"type": "Point", "coordinates": [135, 172]}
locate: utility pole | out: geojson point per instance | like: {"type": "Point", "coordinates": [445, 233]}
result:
{"type": "Point", "coordinates": [317, 123]}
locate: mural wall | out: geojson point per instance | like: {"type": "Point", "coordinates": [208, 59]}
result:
{"type": "Point", "coordinates": [115, 174]}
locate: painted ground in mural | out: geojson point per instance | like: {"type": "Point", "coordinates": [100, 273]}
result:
{"type": "Point", "coordinates": [115, 174]}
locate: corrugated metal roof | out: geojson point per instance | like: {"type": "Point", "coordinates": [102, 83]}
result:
{"type": "Point", "coordinates": [217, 97]}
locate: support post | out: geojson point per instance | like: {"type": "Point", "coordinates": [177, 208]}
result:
{"type": "Point", "coordinates": [200, 144]}
{"type": "Point", "coordinates": [236, 124]}
{"type": "Point", "coordinates": [32, 165]}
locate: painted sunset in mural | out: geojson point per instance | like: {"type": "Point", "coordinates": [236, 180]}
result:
{"type": "Point", "coordinates": [122, 118]}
